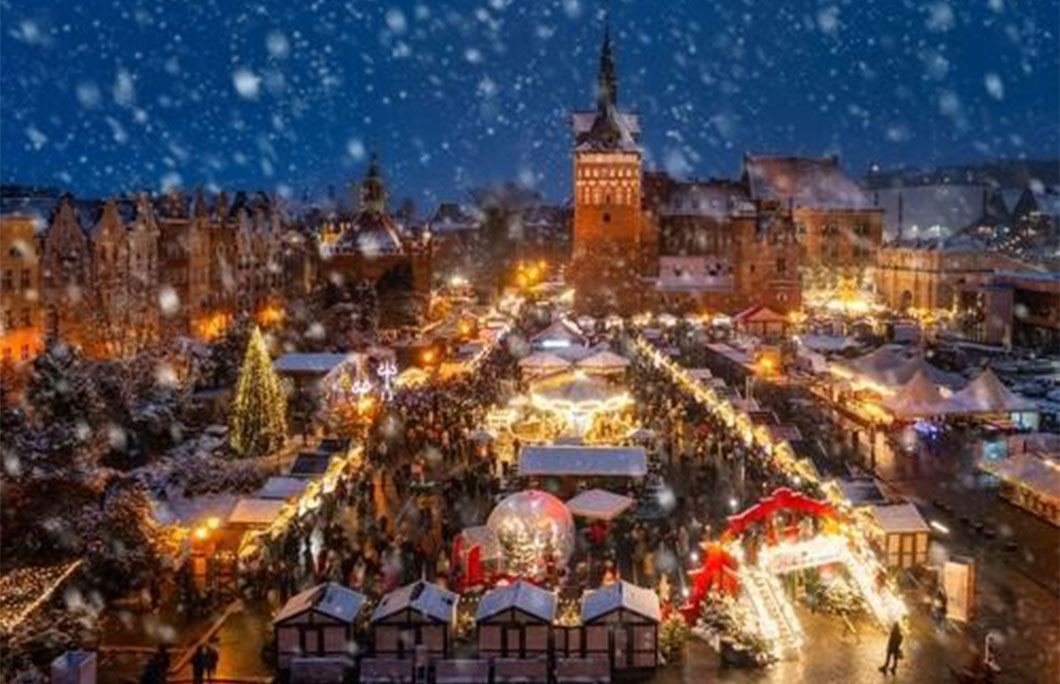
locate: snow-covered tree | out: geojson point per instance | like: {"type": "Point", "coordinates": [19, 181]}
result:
{"type": "Point", "coordinates": [258, 422]}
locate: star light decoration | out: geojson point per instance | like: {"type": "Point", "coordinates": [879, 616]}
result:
{"type": "Point", "coordinates": [387, 371]}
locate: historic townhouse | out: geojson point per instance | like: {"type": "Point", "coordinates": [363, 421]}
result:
{"type": "Point", "coordinates": [20, 335]}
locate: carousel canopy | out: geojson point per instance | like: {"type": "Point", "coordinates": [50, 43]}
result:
{"type": "Point", "coordinates": [530, 599]}
{"type": "Point", "coordinates": [255, 512]}
{"type": "Point", "coordinates": [576, 390]}
{"type": "Point", "coordinates": [599, 504]}
{"type": "Point", "coordinates": [987, 394]}
{"type": "Point", "coordinates": [422, 597]}
{"type": "Point", "coordinates": [918, 398]}
{"type": "Point", "coordinates": [330, 599]}
{"type": "Point", "coordinates": [543, 362]}
{"type": "Point", "coordinates": [643, 602]}
{"type": "Point", "coordinates": [573, 353]}
{"type": "Point", "coordinates": [583, 461]}
{"type": "Point", "coordinates": [603, 360]}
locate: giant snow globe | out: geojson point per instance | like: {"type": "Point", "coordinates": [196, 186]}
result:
{"type": "Point", "coordinates": [535, 531]}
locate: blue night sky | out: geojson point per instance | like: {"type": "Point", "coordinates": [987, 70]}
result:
{"type": "Point", "coordinates": [104, 96]}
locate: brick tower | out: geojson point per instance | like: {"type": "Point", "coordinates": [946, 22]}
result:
{"type": "Point", "coordinates": [609, 224]}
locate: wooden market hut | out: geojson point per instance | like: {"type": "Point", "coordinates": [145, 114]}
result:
{"type": "Point", "coordinates": [905, 536]}
{"type": "Point", "coordinates": [621, 623]}
{"type": "Point", "coordinates": [515, 621]}
{"type": "Point", "coordinates": [318, 624]}
{"type": "Point", "coordinates": [418, 614]}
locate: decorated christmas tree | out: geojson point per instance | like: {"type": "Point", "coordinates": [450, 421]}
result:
{"type": "Point", "coordinates": [257, 424]}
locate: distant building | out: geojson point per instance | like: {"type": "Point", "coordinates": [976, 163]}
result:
{"type": "Point", "coordinates": [1021, 309]}
{"type": "Point", "coordinates": [20, 334]}
{"type": "Point", "coordinates": [121, 275]}
{"type": "Point", "coordinates": [369, 245]}
{"type": "Point", "coordinates": [646, 240]}
{"type": "Point", "coordinates": [1013, 205]}
{"type": "Point", "coordinates": [931, 274]}
{"type": "Point", "coordinates": [613, 247]}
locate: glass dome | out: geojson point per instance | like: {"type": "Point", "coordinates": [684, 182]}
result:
{"type": "Point", "coordinates": [533, 528]}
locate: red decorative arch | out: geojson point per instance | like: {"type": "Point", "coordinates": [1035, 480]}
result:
{"type": "Point", "coordinates": [782, 499]}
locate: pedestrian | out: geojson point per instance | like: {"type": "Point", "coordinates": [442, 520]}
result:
{"type": "Point", "coordinates": [894, 649]}
{"type": "Point", "coordinates": [198, 665]}
{"type": "Point", "coordinates": [210, 660]}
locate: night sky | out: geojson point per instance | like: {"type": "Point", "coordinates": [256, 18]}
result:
{"type": "Point", "coordinates": [108, 96]}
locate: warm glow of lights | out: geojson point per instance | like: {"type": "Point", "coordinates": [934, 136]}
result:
{"type": "Point", "coordinates": [270, 315]}
{"type": "Point", "coordinates": [213, 523]}
{"type": "Point", "coordinates": [201, 533]}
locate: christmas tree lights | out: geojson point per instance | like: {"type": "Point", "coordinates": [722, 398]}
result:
{"type": "Point", "coordinates": [258, 423]}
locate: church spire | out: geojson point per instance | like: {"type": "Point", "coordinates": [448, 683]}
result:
{"type": "Point", "coordinates": [373, 190]}
{"type": "Point", "coordinates": [606, 79]}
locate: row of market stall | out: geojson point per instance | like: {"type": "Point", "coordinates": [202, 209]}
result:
{"type": "Point", "coordinates": [522, 635]}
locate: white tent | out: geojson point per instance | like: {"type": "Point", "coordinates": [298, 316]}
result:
{"type": "Point", "coordinates": [604, 362]}
{"type": "Point", "coordinates": [254, 512]}
{"type": "Point", "coordinates": [599, 504]}
{"type": "Point", "coordinates": [543, 362]}
{"type": "Point", "coordinates": [560, 333]}
{"type": "Point", "coordinates": [987, 394]}
{"type": "Point", "coordinates": [917, 399]}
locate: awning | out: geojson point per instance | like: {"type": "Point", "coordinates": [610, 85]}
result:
{"type": "Point", "coordinates": [583, 461]}
{"type": "Point", "coordinates": [599, 504]}
{"type": "Point", "coordinates": [256, 512]}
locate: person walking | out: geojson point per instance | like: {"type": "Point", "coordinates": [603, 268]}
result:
{"type": "Point", "coordinates": [894, 650]}
{"type": "Point", "coordinates": [198, 665]}
{"type": "Point", "coordinates": [210, 661]}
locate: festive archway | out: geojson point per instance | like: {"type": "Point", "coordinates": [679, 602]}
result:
{"type": "Point", "coordinates": [782, 499]}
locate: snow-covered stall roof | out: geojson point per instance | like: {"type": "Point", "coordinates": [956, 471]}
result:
{"type": "Point", "coordinates": [861, 492]}
{"type": "Point", "coordinates": [700, 374]}
{"type": "Point", "coordinates": [643, 602]}
{"type": "Point", "coordinates": [300, 363]}
{"type": "Point", "coordinates": [603, 360]}
{"type": "Point", "coordinates": [330, 599]}
{"type": "Point", "coordinates": [599, 504]}
{"type": "Point", "coordinates": [825, 343]}
{"type": "Point", "coordinates": [917, 399]}
{"type": "Point", "coordinates": [311, 464]}
{"type": "Point", "coordinates": [987, 394]}
{"type": "Point", "coordinates": [583, 461]}
{"type": "Point", "coordinates": [256, 512]}
{"type": "Point", "coordinates": [530, 599]}
{"type": "Point", "coordinates": [423, 597]}
{"type": "Point", "coordinates": [279, 487]}
{"type": "Point", "coordinates": [899, 518]}
{"type": "Point", "coordinates": [1040, 475]}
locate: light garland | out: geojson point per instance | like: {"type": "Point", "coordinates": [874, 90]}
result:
{"type": "Point", "coordinates": [24, 590]}
{"type": "Point", "coordinates": [852, 551]}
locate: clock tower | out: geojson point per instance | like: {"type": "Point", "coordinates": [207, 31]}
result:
{"type": "Point", "coordinates": [609, 222]}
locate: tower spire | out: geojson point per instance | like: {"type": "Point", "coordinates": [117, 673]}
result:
{"type": "Point", "coordinates": [373, 190]}
{"type": "Point", "coordinates": [606, 79]}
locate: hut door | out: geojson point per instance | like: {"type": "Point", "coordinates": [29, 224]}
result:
{"type": "Point", "coordinates": [623, 636]}
{"type": "Point", "coordinates": [513, 642]}
{"type": "Point", "coordinates": [312, 641]}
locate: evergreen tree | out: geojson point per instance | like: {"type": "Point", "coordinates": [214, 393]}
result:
{"type": "Point", "coordinates": [258, 423]}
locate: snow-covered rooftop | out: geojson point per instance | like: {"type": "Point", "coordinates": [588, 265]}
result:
{"type": "Point", "coordinates": [643, 602]}
{"type": "Point", "coordinates": [319, 363]}
{"type": "Point", "coordinates": [423, 597]}
{"type": "Point", "coordinates": [530, 599]}
{"type": "Point", "coordinates": [330, 599]}
{"type": "Point", "coordinates": [255, 512]}
{"type": "Point", "coordinates": [896, 518]}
